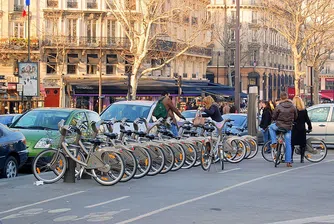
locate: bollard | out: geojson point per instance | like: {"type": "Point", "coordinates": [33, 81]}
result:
{"type": "Point", "coordinates": [252, 111]}
{"type": "Point", "coordinates": [69, 176]}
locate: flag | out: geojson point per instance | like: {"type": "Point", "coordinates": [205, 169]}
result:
{"type": "Point", "coordinates": [27, 3]}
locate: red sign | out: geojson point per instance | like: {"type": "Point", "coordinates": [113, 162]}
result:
{"type": "Point", "coordinates": [291, 92]}
{"type": "Point", "coordinates": [329, 79]}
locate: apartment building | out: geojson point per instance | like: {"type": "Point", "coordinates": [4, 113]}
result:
{"type": "Point", "coordinates": [74, 41]}
{"type": "Point", "coordinates": [266, 59]}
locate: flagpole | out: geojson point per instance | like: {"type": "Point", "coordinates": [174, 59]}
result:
{"type": "Point", "coordinates": [29, 32]}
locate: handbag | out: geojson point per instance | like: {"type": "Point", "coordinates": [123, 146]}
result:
{"type": "Point", "coordinates": [198, 120]}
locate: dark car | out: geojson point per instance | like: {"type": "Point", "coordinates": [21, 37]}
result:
{"type": "Point", "coordinates": [239, 126]}
{"type": "Point", "coordinates": [8, 119]}
{"type": "Point", "coordinates": [13, 151]}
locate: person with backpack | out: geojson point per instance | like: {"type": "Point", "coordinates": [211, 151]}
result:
{"type": "Point", "coordinates": [165, 109]}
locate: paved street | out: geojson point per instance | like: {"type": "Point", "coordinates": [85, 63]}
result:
{"type": "Point", "coordinates": [250, 192]}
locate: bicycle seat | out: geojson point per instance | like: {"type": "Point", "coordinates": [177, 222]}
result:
{"type": "Point", "coordinates": [111, 135]}
{"type": "Point", "coordinates": [150, 137]}
{"type": "Point", "coordinates": [140, 133]}
{"type": "Point", "coordinates": [95, 141]}
{"type": "Point", "coordinates": [127, 132]}
{"type": "Point", "coordinates": [282, 130]}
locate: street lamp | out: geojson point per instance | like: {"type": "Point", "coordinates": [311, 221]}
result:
{"type": "Point", "coordinates": [218, 55]}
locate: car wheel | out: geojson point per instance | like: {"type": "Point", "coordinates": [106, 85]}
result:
{"type": "Point", "coordinates": [11, 168]}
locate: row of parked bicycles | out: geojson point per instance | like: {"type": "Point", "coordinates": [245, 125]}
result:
{"type": "Point", "coordinates": [111, 158]}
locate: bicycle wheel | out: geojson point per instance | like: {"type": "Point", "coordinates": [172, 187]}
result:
{"type": "Point", "coordinates": [237, 153]}
{"type": "Point", "coordinates": [191, 156]}
{"type": "Point", "coordinates": [277, 156]}
{"type": "Point", "coordinates": [179, 154]}
{"type": "Point", "coordinates": [248, 149]}
{"type": "Point", "coordinates": [158, 160]}
{"type": "Point", "coordinates": [254, 149]}
{"type": "Point", "coordinates": [170, 158]}
{"type": "Point", "coordinates": [49, 166]}
{"type": "Point", "coordinates": [144, 161]}
{"type": "Point", "coordinates": [130, 164]}
{"type": "Point", "coordinates": [115, 173]}
{"type": "Point", "coordinates": [266, 152]}
{"type": "Point", "coordinates": [316, 150]}
{"type": "Point", "coordinates": [206, 157]}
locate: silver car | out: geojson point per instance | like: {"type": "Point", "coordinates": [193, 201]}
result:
{"type": "Point", "coordinates": [322, 119]}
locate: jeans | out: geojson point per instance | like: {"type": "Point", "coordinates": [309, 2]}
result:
{"type": "Point", "coordinates": [287, 137]}
{"type": "Point", "coordinates": [265, 135]}
{"type": "Point", "coordinates": [174, 130]}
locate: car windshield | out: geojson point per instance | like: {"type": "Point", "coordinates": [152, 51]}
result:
{"type": "Point", "coordinates": [189, 114]}
{"type": "Point", "coordinates": [238, 120]}
{"type": "Point", "coordinates": [7, 119]}
{"type": "Point", "coordinates": [41, 119]}
{"type": "Point", "coordinates": [129, 111]}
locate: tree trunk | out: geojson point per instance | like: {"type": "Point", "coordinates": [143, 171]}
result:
{"type": "Point", "coordinates": [316, 86]}
{"type": "Point", "coordinates": [296, 62]}
{"type": "Point", "coordinates": [134, 81]}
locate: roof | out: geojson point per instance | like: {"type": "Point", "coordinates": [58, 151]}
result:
{"type": "Point", "coordinates": [137, 102]}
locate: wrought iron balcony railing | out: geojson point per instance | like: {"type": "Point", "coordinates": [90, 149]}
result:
{"type": "Point", "coordinates": [14, 43]}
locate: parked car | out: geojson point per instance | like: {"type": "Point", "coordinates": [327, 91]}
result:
{"type": "Point", "coordinates": [239, 126]}
{"type": "Point", "coordinates": [190, 116]}
{"type": "Point", "coordinates": [322, 118]}
{"type": "Point", "coordinates": [8, 119]}
{"type": "Point", "coordinates": [130, 110]}
{"type": "Point", "coordinates": [40, 126]}
{"type": "Point", "coordinates": [13, 152]}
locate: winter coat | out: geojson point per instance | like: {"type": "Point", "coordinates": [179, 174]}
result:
{"type": "Point", "coordinates": [285, 114]}
{"type": "Point", "coordinates": [214, 113]}
{"type": "Point", "coordinates": [266, 118]}
{"type": "Point", "coordinates": [299, 130]}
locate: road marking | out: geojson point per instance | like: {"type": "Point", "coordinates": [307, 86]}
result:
{"type": "Point", "coordinates": [226, 171]}
{"type": "Point", "coordinates": [216, 192]}
{"type": "Point", "coordinates": [41, 202]}
{"type": "Point", "coordinates": [322, 219]}
{"type": "Point", "coordinates": [107, 202]}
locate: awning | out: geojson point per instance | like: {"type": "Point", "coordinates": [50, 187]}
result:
{"type": "Point", "coordinates": [73, 60]}
{"type": "Point", "coordinates": [93, 61]}
{"type": "Point", "coordinates": [11, 86]}
{"type": "Point", "coordinates": [224, 92]}
{"type": "Point", "coordinates": [327, 94]}
{"type": "Point", "coordinates": [112, 60]}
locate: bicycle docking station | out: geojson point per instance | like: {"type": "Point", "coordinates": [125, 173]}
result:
{"type": "Point", "coordinates": [69, 176]}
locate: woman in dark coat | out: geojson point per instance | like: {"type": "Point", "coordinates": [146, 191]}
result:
{"type": "Point", "coordinates": [299, 130]}
{"type": "Point", "coordinates": [265, 120]}
{"type": "Point", "coordinates": [212, 109]}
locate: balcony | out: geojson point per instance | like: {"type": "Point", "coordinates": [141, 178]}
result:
{"type": "Point", "coordinates": [91, 5]}
{"type": "Point", "coordinates": [86, 42]}
{"type": "Point", "coordinates": [14, 43]}
{"type": "Point", "coordinates": [52, 3]}
{"type": "Point", "coordinates": [72, 4]}
{"type": "Point", "coordinates": [18, 8]}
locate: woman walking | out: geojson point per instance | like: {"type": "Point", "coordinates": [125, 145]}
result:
{"type": "Point", "coordinates": [299, 130]}
{"type": "Point", "coordinates": [265, 120]}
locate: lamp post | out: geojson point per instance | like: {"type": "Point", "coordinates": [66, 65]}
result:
{"type": "Point", "coordinates": [100, 68]}
{"type": "Point", "coordinates": [237, 58]}
{"type": "Point", "coordinates": [218, 55]}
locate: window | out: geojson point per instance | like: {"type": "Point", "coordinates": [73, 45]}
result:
{"type": "Point", "coordinates": [112, 62]}
{"type": "Point", "coordinates": [254, 35]}
{"type": "Point", "coordinates": [18, 5]}
{"type": "Point", "coordinates": [72, 28]}
{"type": "Point", "coordinates": [329, 83]}
{"type": "Point", "coordinates": [72, 4]}
{"type": "Point", "coordinates": [51, 64]}
{"type": "Point", "coordinates": [232, 57]}
{"type": "Point", "coordinates": [91, 31]}
{"type": "Point", "coordinates": [233, 16]}
{"type": "Point", "coordinates": [80, 121]}
{"type": "Point", "coordinates": [72, 63]}
{"type": "Point", "coordinates": [194, 21]}
{"type": "Point", "coordinates": [18, 30]}
{"type": "Point", "coordinates": [185, 75]}
{"type": "Point", "coordinates": [194, 76]}
{"type": "Point", "coordinates": [111, 29]}
{"type": "Point", "coordinates": [254, 17]}
{"type": "Point", "coordinates": [319, 114]}
{"type": "Point", "coordinates": [92, 61]}
{"type": "Point", "coordinates": [93, 116]}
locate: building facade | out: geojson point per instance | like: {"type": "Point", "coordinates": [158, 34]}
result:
{"type": "Point", "coordinates": [71, 40]}
{"type": "Point", "coordinates": [265, 56]}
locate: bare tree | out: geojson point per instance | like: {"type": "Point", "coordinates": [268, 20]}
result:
{"type": "Point", "coordinates": [298, 21]}
{"type": "Point", "coordinates": [149, 27]}
{"type": "Point", "coordinates": [319, 50]}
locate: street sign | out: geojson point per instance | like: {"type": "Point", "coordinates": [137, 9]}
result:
{"type": "Point", "coordinates": [19, 87]}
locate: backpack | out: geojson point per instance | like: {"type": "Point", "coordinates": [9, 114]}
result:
{"type": "Point", "coordinates": [160, 110]}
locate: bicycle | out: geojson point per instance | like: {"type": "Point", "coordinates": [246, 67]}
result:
{"type": "Point", "coordinates": [102, 162]}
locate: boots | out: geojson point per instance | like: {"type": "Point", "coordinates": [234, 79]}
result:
{"type": "Point", "coordinates": [302, 154]}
